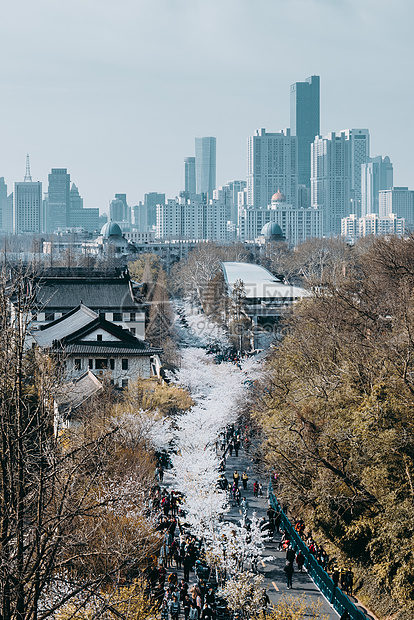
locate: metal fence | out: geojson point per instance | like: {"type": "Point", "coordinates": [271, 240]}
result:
{"type": "Point", "coordinates": [319, 576]}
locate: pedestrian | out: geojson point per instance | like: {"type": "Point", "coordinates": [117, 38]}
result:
{"type": "Point", "coordinates": [187, 563]}
{"type": "Point", "coordinates": [207, 612]}
{"type": "Point", "coordinates": [237, 496]}
{"type": "Point", "coordinates": [237, 447]}
{"type": "Point", "coordinates": [245, 478]}
{"type": "Point", "coordinates": [255, 488]}
{"type": "Point", "coordinates": [165, 612]}
{"type": "Point", "coordinates": [231, 448]}
{"type": "Point", "coordinates": [289, 572]}
{"type": "Point", "coordinates": [245, 507]}
{"type": "Point", "coordinates": [186, 606]}
{"type": "Point", "coordinates": [260, 489]}
{"type": "Point", "coordinates": [290, 554]}
{"type": "Point", "coordinates": [193, 613]}
{"type": "Point", "coordinates": [236, 477]}
{"type": "Point", "coordinates": [174, 608]}
{"type": "Point", "coordinates": [300, 560]}
{"type": "Point", "coordinates": [335, 579]}
{"type": "Point", "coordinates": [349, 581]}
{"type": "Point", "coordinates": [265, 602]}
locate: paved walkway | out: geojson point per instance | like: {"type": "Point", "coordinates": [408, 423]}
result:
{"type": "Point", "coordinates": [275, 580]}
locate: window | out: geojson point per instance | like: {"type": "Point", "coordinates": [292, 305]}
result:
{"type": "Point", "coordinates": [112, 364]}
{"type": "Point", "coordinates": [101, 364]}
{"type": "Point", "coordinates": [124, 383]}
{"type": "Point", "coordinates": [99, 337]}
{"type": "Point", "coordinates": [117, 316]}
{"type": "Point", "coordinates": [124, 364]}
{"type": "Point", "coordinates": [78, 364]}
{"type": "Point", "coordinates": [49, 316]}
{"type": "Point", "coordinates": [132, 316]}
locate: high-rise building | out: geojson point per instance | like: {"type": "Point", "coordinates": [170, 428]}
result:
{"type": "Point", "coordinates": [3, 200]}
{"type": "Point", "coordinates": [398, 200]}
{"type": "Point", "coordinates": [205, 165]}
{"type": "Point", "coordinates": [76, 200]}
{"type": "Point", "coordinates": [58, 205]}
{"type": "Point", "coordinates": [27, 206]}
{"type": "Point", "coordinates": [228, 195]}
{"type": "Point", "coordinates": [190, 175]}
{"type": "Point", "coordinates": [376, 175]}
{"type": "Point", "coordinates": [336, 175]}
{"type": "Point", "coordinates": [305, 122]}
{"type": "Point", "coordinates": [272, 165]}
{"type": "Point", "coordinates": [192, 219]}
{"type": "Point", "coordinates": [117, 210]}
{"type": "Point", "coordinates": [151, 200]}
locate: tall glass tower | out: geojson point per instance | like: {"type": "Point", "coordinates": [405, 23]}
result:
{"type": "Point", "coordinates": [58, 199]}
{"type": "Point", "coordinates": [205, 163]}
{"type": "Point", "coordinates": [305, 122]}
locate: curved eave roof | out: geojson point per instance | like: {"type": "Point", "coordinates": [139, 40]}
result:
{"type": "Point", "coordinates": [259, 283]}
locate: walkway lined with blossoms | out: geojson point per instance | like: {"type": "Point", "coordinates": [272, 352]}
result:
{"type": "Point", "coordinates": [231, 546]}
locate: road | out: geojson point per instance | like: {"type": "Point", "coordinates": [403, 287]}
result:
{"type": "Point", "coordinates": [275, 580]}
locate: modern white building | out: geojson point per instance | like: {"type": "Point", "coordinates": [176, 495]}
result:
{"type": "Point", "coordinates": [336, 175]}
{"type": "Point", "coordinates": [398, 200]}
{"type": "Point", "coordinates": [297, 225]}
{"type": "Point", "coordinates": [182, 218]}
{"type": "Point", "coordinates": [272, 164]}
{"type": "Point", "coordinates": [376, 175]}
{"type": "Point", "coordinates": [228, 195]}
{"type": "Point", "coordinates": [353, 227]}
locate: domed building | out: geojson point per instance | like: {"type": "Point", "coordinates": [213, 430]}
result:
{"type": "Point", "coordinates": [272, 232]}
{"type": "Point", "coordinates": [110, 241]}
{"type": "Point", "coordinates": [278, 197]}
{"type": "Point", "coordinates": [111, 229]}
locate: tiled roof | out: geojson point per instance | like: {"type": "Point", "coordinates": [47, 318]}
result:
{"type": "Point", "coordinates": [108, 348]}
{"type": "Point", "coordinates": [98, 294]}
{"type": "Point", "coordinates": [68, 324]}
{"type": "Point", "coordinates": [71, 395]}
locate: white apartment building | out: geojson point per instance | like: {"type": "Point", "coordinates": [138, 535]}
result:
{"type": "Point", "coordinates": [182, 218]}
{"type": "Point", "coordinates": [297, 225]}
{"type": "Point", "coordinates": [353, 227]}
{"type": "Point", "coordinates": [376, 175]}
{"type": "Point", "coordinates": [336, 175]}
{"type": "Point", "coordinates": [398, 200]}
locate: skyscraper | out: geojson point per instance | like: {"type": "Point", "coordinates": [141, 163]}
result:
{"type": "Point", "coordinates": [3, 200]}
{"type": "Point", "coordinates": [27, 208]}
{"type": "Point", "coordinates": [336, 175]}
{"type": "Point", "coordinates": [305, 122]}
{"type": "Point", "coordinates": [205, 166]}
{"type": "Point", "coordinates": [272, 164]}
{"type": "Point", "coordinates": [190, 175]}
{"type": "Point", "coordinates": [376, 175]}
{"type": "Point", "coordinates": [151, 200]}
{"type": "Point", "coordinates": [58, 206]}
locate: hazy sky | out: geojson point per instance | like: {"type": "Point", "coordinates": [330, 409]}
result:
{"type": "Point", "coordinates": [116, 90]}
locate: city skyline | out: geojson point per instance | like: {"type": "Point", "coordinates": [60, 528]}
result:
{"type": "Point", "coordinates": [128, 111]}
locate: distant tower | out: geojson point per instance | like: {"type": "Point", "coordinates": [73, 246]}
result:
{"type": "Point", "coordinates": [190, 175]}
{"type": "Point", "coordinates": [28, 176]}
{"type": "Point", "coordinates": [272, 164]}
{"type": "Point", "coordinates": [205, 165]}
{"type": "Point", "coordinates": [305, 122]}
{"type": "Point", "coordinates": [58, 211]}
{"type": "Point", "coordinates": [27, 208]}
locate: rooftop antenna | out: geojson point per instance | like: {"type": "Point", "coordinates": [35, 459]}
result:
{"type": "Point", "coordinates": [28, 176]}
